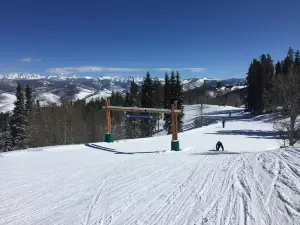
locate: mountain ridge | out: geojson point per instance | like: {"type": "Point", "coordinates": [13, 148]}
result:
{"type": "Point", "coordinates": [57, 89]}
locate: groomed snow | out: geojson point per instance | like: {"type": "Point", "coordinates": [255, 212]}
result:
{"type": "Point", "coordinates": [135, 182]}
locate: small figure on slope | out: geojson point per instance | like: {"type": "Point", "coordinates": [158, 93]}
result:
{"type": "Point", "coordinates": [223, 122]}
{"type": "Point", "coordinates": [219, 145]}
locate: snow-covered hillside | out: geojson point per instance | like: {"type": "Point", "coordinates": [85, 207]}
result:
{"type": "Point", "coordinates": [7, 102]}
{"type": "Point", "coordinates": [135, 182]}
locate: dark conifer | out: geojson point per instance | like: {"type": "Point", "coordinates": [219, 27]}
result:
{"type": "Point", "coordinates": [17, 122]}
{"type": "Point", "coordinates": [179, 99]}
{"type": "Point", "coordinates": [167, 105]}
{"type": "Point", "coordinates": [147, 101]}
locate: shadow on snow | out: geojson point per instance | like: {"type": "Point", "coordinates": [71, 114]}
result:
{"type": "Point", "coordinates": [117, 152]}
{"type": "Point", "coordinates": [251, 133]}
{"type": "Point", "coordinates": [225, 111]}
{"type": "Point", "coordinates": [269, 118]}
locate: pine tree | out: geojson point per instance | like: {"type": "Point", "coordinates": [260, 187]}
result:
{"type": "Point", "coordinates": [158, 99]}
{"type": "Point", "coordinates": [173, 88]}
{"type": "Point", "coordinates": [147, 101]}
{"type": "Point", "coordinates": [258, 100]}
{"type": "Point", "coordinates": [172, 98]}
{"type": "Point", "coordinates": [17, 123]}
{"type": "Point", "coordinates": [132, 126]}
{"type": "Point", "coordinates": [167, 105]}
{"type": "Point", "coordinates": [249, 99]}
{"type": "Point", "coordinates": [127, 125]}
{"type": "Point", "coordinates": [134, 93]}
{"type": "Point", "coordinates": [134, 101]}
{"type": "Point", "coordinates": [288, 62]}
{"type": "Point", "coordinates": [29, 100]}
{"type": "Point", "coordinates": [158, 93]}
{"type": "Point", "coordinates": [117, 118]}
{"type": "Point", "coordinates": [179, 99]}
{"type": "Point", "coordinates": [28, 112]}
{"type": "Point", "coordinates": [126, 101]}
{"type": "Point", "coordinates": [278, 68]}
{"type": "Point", "coordinates": [6, 140]}
{"type": "Point", "coordinates": [255, 88]}
{"type": "Point", "coordinates": [37, 126]}
{"type": "Point", "coordinates": [219, 84]}
{"type": "Point", "coordinates": [267, 73]}
{"type": "Point", "coordinates": [297, 60]}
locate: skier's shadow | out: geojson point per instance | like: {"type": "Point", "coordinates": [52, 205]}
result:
{"type": "Point", "coordinates": [215, 152]}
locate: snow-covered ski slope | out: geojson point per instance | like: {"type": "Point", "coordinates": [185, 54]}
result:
{"type": "Point", "coordinates": [134, 182]}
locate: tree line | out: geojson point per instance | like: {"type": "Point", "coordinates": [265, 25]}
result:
{"type": "Point", "coordinates": [74, 122]}
{"type": "Point", "coordinates": [276, 88]}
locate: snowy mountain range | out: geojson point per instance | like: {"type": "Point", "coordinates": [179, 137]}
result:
{"type": "Point", "coordinates": [56, 89]}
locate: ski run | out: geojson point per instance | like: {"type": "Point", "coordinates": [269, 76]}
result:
{"type": "Point", "coordinates": [142, 182]}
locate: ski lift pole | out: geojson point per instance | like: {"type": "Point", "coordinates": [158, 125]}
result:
{"type": "Point", "coordinates": [108, 136]}
{"type": "Point", "coordinates": [175, 141]}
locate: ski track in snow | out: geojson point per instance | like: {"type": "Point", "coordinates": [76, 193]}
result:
{"type": "Point", "coordinates": [233, 189]}
{"type": "Point", "coordinates": [86, 186]}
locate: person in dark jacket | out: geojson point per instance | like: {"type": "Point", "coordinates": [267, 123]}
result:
{"type": "Point", "coordinates": [223, 122]}
{"type": "Point", "coordinates": [219, 145]}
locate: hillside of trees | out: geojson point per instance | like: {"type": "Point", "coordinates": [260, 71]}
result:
{"type": "Point", "coordinates": [33, 125]}
{"type": "Point", "coordinates": [276, 88]}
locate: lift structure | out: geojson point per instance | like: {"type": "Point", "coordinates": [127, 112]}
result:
{"type": "Point", "coordinates": [144, 111]}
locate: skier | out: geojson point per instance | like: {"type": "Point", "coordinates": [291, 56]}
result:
{"type": "Point", "coordinates": [229, 114]}
{"type": "Point", "coordinates": [219, 145]}
{"type": "Point", "coordinates": [223, 122]}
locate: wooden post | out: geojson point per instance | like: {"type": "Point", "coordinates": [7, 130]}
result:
{"type": "Point", "coordinates": [108, 136]}
{"type": "Point", "coordinates": [174, 142]}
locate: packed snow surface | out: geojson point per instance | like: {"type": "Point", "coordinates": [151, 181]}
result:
{"type": "Point", "coordinates": [137, 182]}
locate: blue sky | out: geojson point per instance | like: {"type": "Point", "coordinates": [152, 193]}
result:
{"type": "Point", "coordinates": [215, 38]}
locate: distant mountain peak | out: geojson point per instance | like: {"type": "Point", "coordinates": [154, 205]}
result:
{"type": "Point", "coordinates": [21, 76]}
